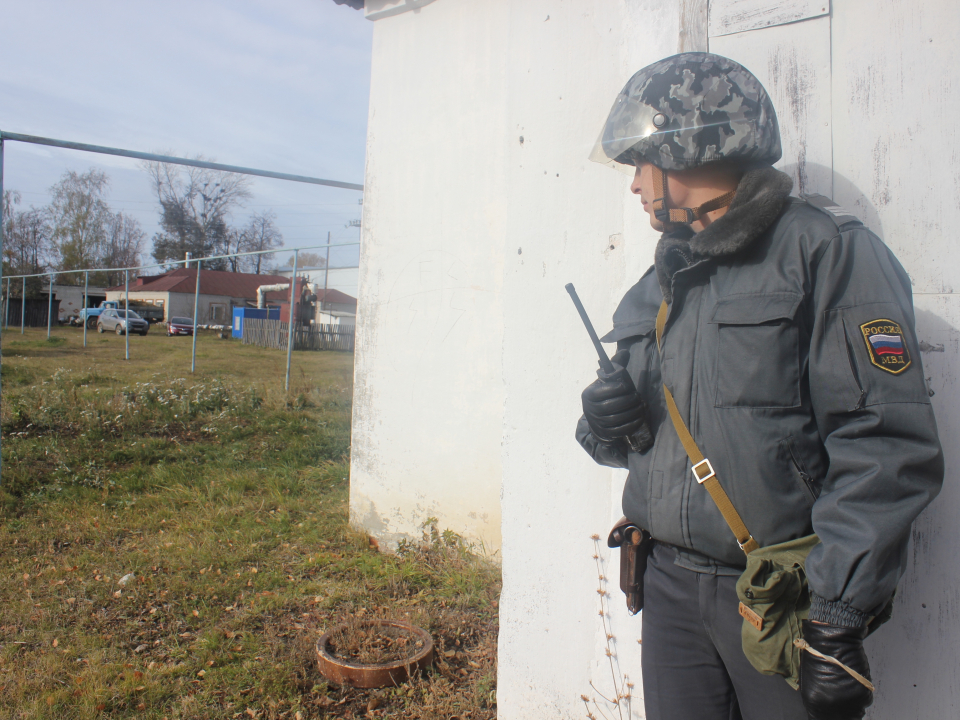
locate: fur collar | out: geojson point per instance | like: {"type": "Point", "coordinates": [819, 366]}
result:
{"type": "Point", "coordinates": [760, 198]}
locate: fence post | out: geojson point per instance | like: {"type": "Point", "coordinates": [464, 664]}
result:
{"type": "Point", "coordinates": [196, 304]}
{"type": "Point", "coordinates": [86, 277]}
{"type": "Point", "coordinates": [126, 313]}
{"type": "Point", "coordinates": [49, 305]}
{"type": "Point", "coordinates": [1, 267]}
{"type": "Point", "coordinates": [6, 314]}
{"type": "Point", "coordinates": [23, 303]}
{"type": "Point", "coordinates": [293, 288]}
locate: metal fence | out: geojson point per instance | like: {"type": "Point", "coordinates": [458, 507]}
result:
{"type": "Point", "coordinates": [198, 262]}
{"type": "Point", "coordinates": [275, 333]}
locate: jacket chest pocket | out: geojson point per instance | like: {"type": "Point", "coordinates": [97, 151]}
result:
{"type": "Point", "coordinates": [758, 350]}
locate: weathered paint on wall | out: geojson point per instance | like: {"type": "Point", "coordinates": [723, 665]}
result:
{"type": "Point", "coordinates": [793, 63]}
{"type": "Point", "coordinates": [482, 114]}
{"type": "Point", "coordinates": [896, 98]}
{"type": "Point", "coordinates": [575, 221]}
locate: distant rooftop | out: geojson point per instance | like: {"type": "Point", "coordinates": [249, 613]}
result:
{"type": "Point", "coordinates": [230, 284]}
{"type": "Point", "coordinates": [212, 282]}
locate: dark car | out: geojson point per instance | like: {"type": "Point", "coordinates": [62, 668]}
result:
{"type": "Point", "coordinates": [179, 326]}
{"type": "Point", "coordinates": [116, 320]}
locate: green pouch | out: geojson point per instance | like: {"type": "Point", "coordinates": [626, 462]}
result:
{"type": "Point", "coordinates": [774, 598]}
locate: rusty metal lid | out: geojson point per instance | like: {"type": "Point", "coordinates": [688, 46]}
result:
{"type": "Point", "coordinates": [359, 675]}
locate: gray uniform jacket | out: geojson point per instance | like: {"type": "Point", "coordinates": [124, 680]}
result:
{"type": "Point", "coordinates": [795, 364]}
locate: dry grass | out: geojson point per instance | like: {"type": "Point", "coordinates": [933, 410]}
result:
{"type": "Point", "coordinates": [173, 545]}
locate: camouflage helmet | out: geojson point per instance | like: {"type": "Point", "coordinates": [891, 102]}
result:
{"type": "Point", "coordinates": [689, 110]}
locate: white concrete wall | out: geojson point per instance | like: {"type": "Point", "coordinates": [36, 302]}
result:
{"type": "Point", "coordinates": [896, 99]}
{"type": "Point", "coordinates": [471, 359]}
{"type": "Point", "coordinates": [575, 221]}
{"type": "Point", "coordinates": [428, 398]}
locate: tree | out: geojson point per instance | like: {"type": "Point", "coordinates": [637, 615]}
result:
{"type": "Point", "coordinates": [261, 233]}
{"type": "Point", "coordinates": [124, 245]}
{"type": "Point", "coordinates": [26, 246]}
{"type": "Point", "coordinates": [10, 199]}
{"type": "Point", "coordinates": [194, 206]}
{"type": "Point", "coordinates": [308, 260]}
{"type": "Point", "coordinates": [79, 216]}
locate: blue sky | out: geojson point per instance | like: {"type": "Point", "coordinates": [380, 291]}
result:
{"type": "Point", "coordinates": [281, 86]}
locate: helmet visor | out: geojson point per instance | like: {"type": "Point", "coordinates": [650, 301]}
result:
{"type": "Point", "coordinates": [629, 123]}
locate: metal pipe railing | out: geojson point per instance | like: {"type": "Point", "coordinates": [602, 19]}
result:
{"type": "Point", "coordinates": [173, 160]}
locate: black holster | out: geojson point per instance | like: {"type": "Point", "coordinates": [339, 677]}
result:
{"type": "Point", "coordinates": [635, 545]}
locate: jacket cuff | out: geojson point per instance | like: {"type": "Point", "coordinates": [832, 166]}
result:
{"type": "Point", "coordinates": [836, 613]}
{"type": "Point", "coordinates": [610, 454]}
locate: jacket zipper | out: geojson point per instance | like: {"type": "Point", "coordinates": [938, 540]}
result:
{"type": "Point", "coordinates": [801, 470]}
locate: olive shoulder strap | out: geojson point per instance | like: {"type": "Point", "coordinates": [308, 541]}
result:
{"type": "Point", "coordinates": [702, 469]}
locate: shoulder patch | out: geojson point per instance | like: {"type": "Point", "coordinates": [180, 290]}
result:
{"type": "Point", "coordinates": [885, 345]}
{"type": "Point", "coordinates": [840, 214]}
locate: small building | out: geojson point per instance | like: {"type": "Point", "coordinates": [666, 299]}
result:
{"type": "Point", "coordinates": [344, 279]}
{"type": "Point", "coordinates": [220, 292]}
{"type": "Point", "coordinates": [71, 299]}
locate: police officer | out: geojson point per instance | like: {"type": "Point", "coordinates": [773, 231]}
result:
{"type": "Point", "coordinates": [789, 347]}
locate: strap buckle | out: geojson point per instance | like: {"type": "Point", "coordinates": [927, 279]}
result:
{"type": "Point", "coordinates": [709, 471]}
{"type": "Point", "coordinates": [746, 542]}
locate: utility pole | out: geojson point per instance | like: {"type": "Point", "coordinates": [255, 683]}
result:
{"type": "Point", "coordinates": [326, 272]}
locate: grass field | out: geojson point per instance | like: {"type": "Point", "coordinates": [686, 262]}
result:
{"type": "Point", "coordinates": [172, 545]}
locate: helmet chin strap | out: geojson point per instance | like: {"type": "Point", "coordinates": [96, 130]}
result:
{"type": "Point", "coordinates": [684, 216]}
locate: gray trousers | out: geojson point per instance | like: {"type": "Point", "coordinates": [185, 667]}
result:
{"type": "Point", "coordinates": [693, 664]}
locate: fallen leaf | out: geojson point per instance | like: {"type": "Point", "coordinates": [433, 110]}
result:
{"type": "Point", "coordinates": [196, 613]}
{"type": "Point", "coordinates": [71, 601]}
{"type": "Point", "coordinates": [450, 653]}
{"type": "Point", "coordinates": [373, 704]}
{"type": "Point", "coordinates": [141, 648]}
{"type": "Point", "coordinates": [55, 642]}
{"type": "Point", "coordinates": [118, 593]}
{"type": "Point", "coordinates": [251, 712]}
{"type": "Point", "coordinates": [201, 673]}
{"type": "Point", "coordinates": [141, 706]}
{"type": "Point", "coordinates": [230, 634]}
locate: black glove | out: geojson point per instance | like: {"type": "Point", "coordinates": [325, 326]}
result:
{"type": "Point", "coordinates": [614, 409]}
{"type": "Point", "coordinates": [829, 692]}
